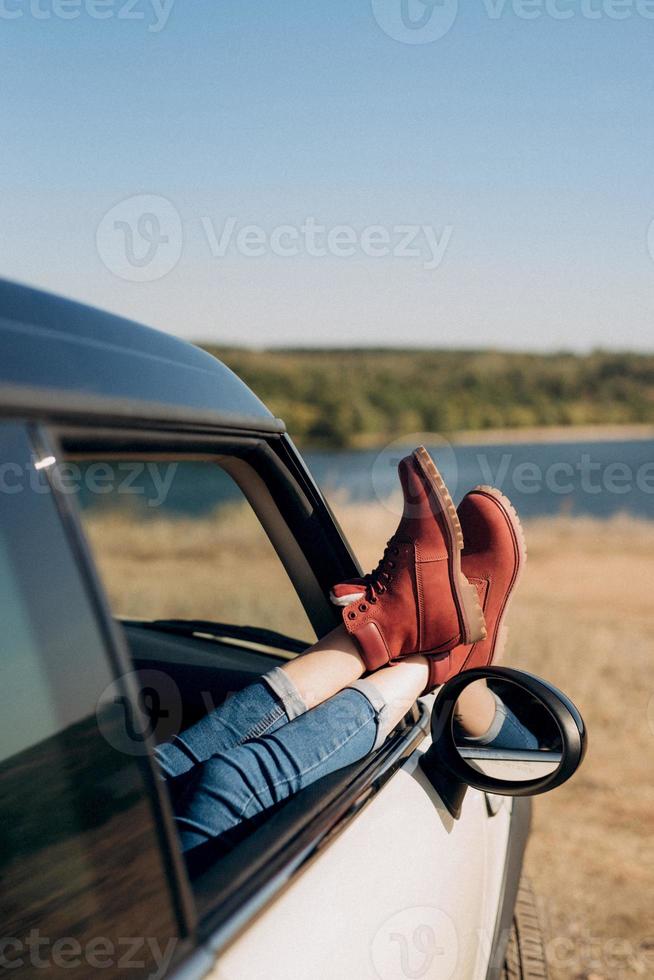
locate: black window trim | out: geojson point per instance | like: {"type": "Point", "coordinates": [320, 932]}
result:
{"type": "Point", "coordinates": [331, 558]}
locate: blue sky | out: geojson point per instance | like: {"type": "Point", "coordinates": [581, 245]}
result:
{"type": "Point", "coordinates": [521, 139]}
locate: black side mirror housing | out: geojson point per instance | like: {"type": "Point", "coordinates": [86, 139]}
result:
{"type": "Point", "coordinates": [557, 747]}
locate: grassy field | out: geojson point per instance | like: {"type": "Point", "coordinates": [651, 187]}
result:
{"type": "Point", "coordinates": [583, 618]}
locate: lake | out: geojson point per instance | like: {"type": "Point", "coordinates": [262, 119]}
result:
{"type": "Point", "coordinates": [598, 479]}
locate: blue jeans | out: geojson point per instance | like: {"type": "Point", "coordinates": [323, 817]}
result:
{"type": "Point", "coordinates": [262, 746]}
{"type": "Point", "coordinates": [248, 754]}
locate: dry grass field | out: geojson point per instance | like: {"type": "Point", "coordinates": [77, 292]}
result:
{"type": "Point", "coordinates": [583, 618]}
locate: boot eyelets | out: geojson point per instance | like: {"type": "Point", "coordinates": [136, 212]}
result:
{"type": "Point", "coordinates": [363, 608]}
{"type": "Point", "coordinates": [352, 615]}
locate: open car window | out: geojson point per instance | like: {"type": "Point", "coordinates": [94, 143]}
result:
{"type": "Point", "coordinates": [213, 571]}
{"type": "Point", "coordinates": [177, 543]}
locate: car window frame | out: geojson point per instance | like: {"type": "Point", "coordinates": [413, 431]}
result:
{"type": "Point", "coordinates": [301, 507]}
{"type": "Point", "coordinates": [319, 813]}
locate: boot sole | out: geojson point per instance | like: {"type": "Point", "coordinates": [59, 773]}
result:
{"type": "Point", "coordinates": [520, 542]}
{"type": "Point", "coordinates": [471, 615]}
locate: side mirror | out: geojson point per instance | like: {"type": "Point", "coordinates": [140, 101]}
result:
{"type": "Point", "coordinates": [541, 752]}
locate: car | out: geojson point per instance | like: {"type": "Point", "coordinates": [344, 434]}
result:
{"type": "Point", "coordinates": [162, 544]}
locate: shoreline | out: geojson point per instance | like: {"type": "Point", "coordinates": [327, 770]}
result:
{"type": "Point", "coordinates": [555, 433]}
{"type": "Point", "coordinates": [501, 437]}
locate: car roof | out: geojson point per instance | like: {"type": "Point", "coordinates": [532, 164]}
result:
{"type": "Point", "coordinates": [57, 351]}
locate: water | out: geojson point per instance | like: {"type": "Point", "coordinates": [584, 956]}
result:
{"type": "Point", "coordinates": [598, 479]}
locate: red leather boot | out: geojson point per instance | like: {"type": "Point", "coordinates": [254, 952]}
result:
{"type": "Point", "coordinates": [417, 600]}
{"type": "Point", "coordinates": [494, 555]}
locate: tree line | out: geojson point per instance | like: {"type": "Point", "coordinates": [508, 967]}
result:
{"type": "Point", "coordinates": [351, 398]}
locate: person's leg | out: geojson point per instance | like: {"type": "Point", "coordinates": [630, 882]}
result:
{"type": "Point", "coordinates": [326, 668]}
{"type": "Point", "coordinates": [475, 709]}
{"type": "Point", "coordinates": [484, 720]}
{"type": "Point", "coordinates": [235, 786]}
{"type": "Point", "coordinates": [264, 706]}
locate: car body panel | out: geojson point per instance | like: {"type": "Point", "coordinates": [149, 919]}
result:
{"type": "Point", "coordinates": [51, 343]}
{"type": "Point", "coordinates": [403, 891]}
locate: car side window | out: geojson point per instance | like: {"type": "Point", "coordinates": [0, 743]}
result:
{"type": "Point", "coordinates": [84, 882]}
{"type": "Point", "coordinates": [176, 538]}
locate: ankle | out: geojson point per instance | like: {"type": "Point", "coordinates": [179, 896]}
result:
{"type": "Point", "coordinates": [326, 668]}
{"type": "Point", "coordinates": [401, 683]}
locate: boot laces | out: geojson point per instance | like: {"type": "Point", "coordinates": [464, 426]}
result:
{"type": "Point", "coordinates": [378, 581]}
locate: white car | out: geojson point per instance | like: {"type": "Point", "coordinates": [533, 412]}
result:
{"type": "Point", "coordinates": [404, 865]}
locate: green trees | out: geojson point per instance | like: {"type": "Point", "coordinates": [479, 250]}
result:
{"type": "Point", "coordinates": [349, 398]}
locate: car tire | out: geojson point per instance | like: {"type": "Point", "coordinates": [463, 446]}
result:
{"type": "Point", "coordinates": [525, 953]}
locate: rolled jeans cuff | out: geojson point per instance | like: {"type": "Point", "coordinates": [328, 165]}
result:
{"type": "Point", "coordinates": [283, 687]}
{"type": "Point", "coordinates": [381, 707]}
{"type": "Point", "coordinates": [495, 727]}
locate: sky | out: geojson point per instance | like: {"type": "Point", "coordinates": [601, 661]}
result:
{"type": "Point", "coordinates": [344, 172]}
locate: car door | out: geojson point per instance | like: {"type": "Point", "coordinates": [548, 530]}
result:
{"type": "Point", "coordinates": [404, 891]}
{"type": "Point", "coordinates": [392, 886]}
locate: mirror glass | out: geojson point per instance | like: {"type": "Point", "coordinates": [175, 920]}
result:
{"type": "Point", "coordinates": [505, 732]}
